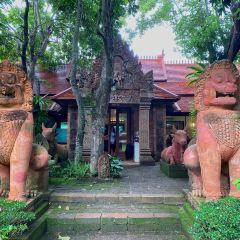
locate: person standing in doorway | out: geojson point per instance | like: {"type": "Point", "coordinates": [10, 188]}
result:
{"type": "Point", "coordinates": [112, 140]}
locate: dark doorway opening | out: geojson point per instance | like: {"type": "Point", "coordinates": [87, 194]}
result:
{"type": "Point", "coordinates": [118, 137]}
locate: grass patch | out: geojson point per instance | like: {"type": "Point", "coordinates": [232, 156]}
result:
{"type": "Point", "coordinates": [14, 218]}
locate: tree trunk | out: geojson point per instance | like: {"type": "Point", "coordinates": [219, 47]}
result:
{"type": "Point", "coordinates": [76, 91]}
{"type": "Point", "coordinates": [234, 42]}
{"type": "Point", "coordinates": [104, 90]}
{"type": "Point", "coordinates": [31, 75]}
{"type": "Point", "coordinates": [25, 37]}
{"type": "Point", "coordinates": [212, 53]}
{"type": "Point", "coordinates": [35, 54]}
{"type": "Point", "coordinates": [207, 8]}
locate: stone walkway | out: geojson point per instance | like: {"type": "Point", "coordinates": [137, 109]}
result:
{"type": "Point", "coordinates": [135, 180]}
{"type": "Point", "coordinates": [143, 205]}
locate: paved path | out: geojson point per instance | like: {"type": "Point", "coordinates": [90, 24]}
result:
{"type": "Point", "coordinates": [135, 180]}
{"type": "Point", "coordinates": [142, 205]}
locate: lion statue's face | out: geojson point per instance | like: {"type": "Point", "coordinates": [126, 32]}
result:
{"type": "Point", "coordinates": [224, 82]}
{"type": "Point", "coordinates": [10, 89]}
{"type": "Point", "coordinates": [222, 88]}
{"type": "Point", "coordinates": [7, 85]}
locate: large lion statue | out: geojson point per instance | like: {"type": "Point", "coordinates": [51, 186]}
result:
{"type": "Point", "coordinates": [214, 161]}
{"type": "Point", "coordinates": [19, 158]}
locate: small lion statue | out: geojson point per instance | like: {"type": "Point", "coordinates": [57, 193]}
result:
{"type": "Point", "coordinates": [174, 153]}
{"type": "Point", "coordinates": [20, 159]}
{"type": "Point", "coordinates": [214, 161]}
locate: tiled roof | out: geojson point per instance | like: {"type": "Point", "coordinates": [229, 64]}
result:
{"type": "Point", "coordinates": [176, 86]}
{"type": "Point", "coordinates": [55, 80]}
{"type": "Point", "coordinates": [155, 65]}
{"type": "Point", "coordinates": [161, 93]}
{"type": "Point", "coordinates": [185, 103]}
{"type": "Point", "coordinates": [177, 72]}
{"type": "Point", "coordinates": [174, 72]}
{"type": "Point", "coordinates": [179, 88]}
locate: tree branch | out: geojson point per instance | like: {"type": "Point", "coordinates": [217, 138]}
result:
{"type": "Point", "coordinates": [99, 31]}
{"type": "Point", "coordinates": [25, 38]}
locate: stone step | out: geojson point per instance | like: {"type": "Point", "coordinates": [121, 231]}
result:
{"type": "Point", "coordinates": [119, 236]}
{"type": "Point", "coordinates": [62, 208]}
{"type": "Point", "coordinates": [85, 218]}
{"type": "Point", "coordinates": [74, 197]}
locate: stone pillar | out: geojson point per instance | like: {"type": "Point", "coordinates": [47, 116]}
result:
{"type": "Point", "coordinates": [88, 134]}
{"type": "Point", "coordinates": [159, 120]}
{"type": "Point", "coordinates": [144, 134]}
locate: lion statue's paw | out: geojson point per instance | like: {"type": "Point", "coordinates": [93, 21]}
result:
{"type": "Point", "coordinates": [197, 193]}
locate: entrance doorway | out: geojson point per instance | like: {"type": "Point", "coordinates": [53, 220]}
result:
{"type": "Point", "coordinates": [118, 139]}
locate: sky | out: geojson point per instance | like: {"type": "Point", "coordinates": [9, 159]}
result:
{"type": "Point", "coordinates": [152, 42]}
{"type": "Point", "coordinates": [156, 40]}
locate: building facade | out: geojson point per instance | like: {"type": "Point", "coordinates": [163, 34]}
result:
{"type": "Point", "coordinates": [148, 96]}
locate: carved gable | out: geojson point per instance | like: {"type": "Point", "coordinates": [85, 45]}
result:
{"type": "Point", "coordinates": [128, 72]}
{"type": "Point", "coordinates": [129, 80]}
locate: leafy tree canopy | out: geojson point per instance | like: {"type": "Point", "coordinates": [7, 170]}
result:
{"type": "Point", "coordinates": [61, 15]}
{"type": "Point", "coordinates": [200, 31]}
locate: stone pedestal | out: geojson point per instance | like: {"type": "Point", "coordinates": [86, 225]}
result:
{"type": "Point", "coordinates": [145, 152]}
{"type": "Point", "coordinates": [173, 171]}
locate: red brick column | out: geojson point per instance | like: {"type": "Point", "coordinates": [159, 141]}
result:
{"type": "Point", "coordinates": [159, 133]}
{"type": "Point", "coordinates": [144, 134]}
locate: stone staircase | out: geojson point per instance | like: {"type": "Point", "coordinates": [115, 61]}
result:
{"type": "Point", "coordinates": [105, 216]}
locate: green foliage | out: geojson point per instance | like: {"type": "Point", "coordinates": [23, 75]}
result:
{"type": "Point", "coordinates": [194, 76]}
{"type": "Point", "coordinates": [200, 32]}
{"type": "Point", "coordinates": [116, 166]}
{"type": "Point", "coordinates": [11, 29]}
{"type": "Point", "coordinates": [193, 119]}
{"type": "Point", "coordinates": [41, 106]}
{"type": "Point", "coordinates": [14, 219]}
{"type": "Point", "coordinates": [70, 170]}
{"type": "Point", "coordinates": [218, 220]}
{"type": "Point", "coordinates": [60, 15]}
{"type": "Point", "coordinates": [236, 182]}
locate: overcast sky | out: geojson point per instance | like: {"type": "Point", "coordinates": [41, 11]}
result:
{"type": "Point", "coordinates": [154, 41]}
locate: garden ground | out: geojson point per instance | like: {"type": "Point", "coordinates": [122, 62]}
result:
{"type": "Point", "coordinates": [143, 204]}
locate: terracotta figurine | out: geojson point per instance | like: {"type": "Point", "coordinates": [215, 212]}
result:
{"type": "Point", "coordinates": [58, 152]}
{"type": "Point", "coordinates": [18, 156]}
{"type": "Point", "coordinates": [174, 154]}
{"type": "Point", "coordinates": [214, 161]}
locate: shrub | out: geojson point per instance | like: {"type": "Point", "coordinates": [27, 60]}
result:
{"type": "Point", "coordinates": [70, 170]}
{"type": "Point", "coordinates": [14, 218]}
{"type": "Point", "coordinates": [236, 182]}
{"type": "Point", "coordinates": [218, 220]}
{"type": "Point", "coordinates": [116, 166]}
{"type": "Point", "coordinates": [76, 170]}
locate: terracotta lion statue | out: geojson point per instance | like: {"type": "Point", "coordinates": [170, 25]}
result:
{"type": "Point", "coordinates": [214, 161]}
{"type": "Point", "coordinates": [19, 158]}
{"type": "Point", "coordinates": [174, 153]}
